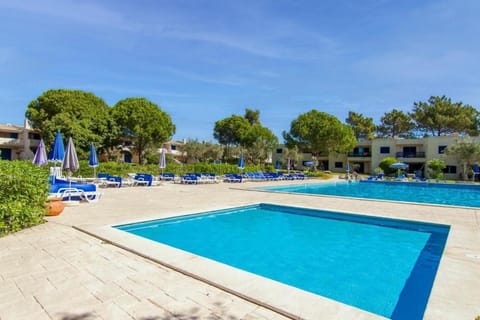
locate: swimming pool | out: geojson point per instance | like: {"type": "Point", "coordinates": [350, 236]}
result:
{"type": "Point", "coordinates": [419, 192]}
{"type": "Point", "coordinates": [384, 266]}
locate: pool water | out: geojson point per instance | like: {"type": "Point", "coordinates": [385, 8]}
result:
{"type": "Point", "coordinates": [384, 266]}
{"type": "Point", "coordinates": [419, 192]}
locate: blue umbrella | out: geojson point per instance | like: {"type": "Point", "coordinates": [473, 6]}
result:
{"type": "Point", "coordinates": [162, 163]}
{"type": "Point", "coordinates": [40, 158]}
{"type": "Point", "coordinates": [241, 163]}
{"type": "Point", "coordinates": [58, 151]}
{"type": "Point", "coordinates": [93, 159]}
{"type": "Point", "coordinates": [278, 164]}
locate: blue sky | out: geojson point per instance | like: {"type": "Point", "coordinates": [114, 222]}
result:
{"type": "Point", "coordinates": [202, 61]}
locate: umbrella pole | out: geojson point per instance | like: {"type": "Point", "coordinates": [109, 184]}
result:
{"type": "Point", "coordinates": [70, 186]}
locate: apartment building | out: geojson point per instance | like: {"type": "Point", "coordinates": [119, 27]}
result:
{"type": "Point", "coordinates": [18, 142]}
{"type": "Point", "coordinates": [367, 155]}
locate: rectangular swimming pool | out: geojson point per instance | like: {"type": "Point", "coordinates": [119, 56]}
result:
{"type": "Point", "coordinates": [384, 266]}
{"type": "Point", "coordinates": [418, 192]}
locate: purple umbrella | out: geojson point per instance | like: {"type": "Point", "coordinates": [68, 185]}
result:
{"type": "Point", "coordinates": [70, 161]}
{"type": "Point", "coordinates": [40, 158]}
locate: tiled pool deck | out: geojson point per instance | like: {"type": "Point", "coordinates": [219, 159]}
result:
{"type": "Point", "coordinates": [54, 271]}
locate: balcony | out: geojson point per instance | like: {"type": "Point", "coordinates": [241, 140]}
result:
{"type": "Point", "coordinates": [10, 142]}
{"type": "Point", "coordinates": [402, 154]}
{"type": "Point", "coordinates": [359, 154]}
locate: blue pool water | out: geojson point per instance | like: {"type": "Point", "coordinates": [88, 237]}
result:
{"type": "Point", "coordinates": [384, 266]}
{"type": "Point", "coordinates": [431, 193]}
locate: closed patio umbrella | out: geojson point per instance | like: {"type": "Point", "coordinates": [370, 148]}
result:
{"type": "Point", "coordinates": [70, 161]}
{"type": "Point", "coordinates": [241, 163]}
{"type": "Point", "coordinates": [58, 150]}
{"type": "Point", "coordinates": [278, 164]}
{"type": "Point", "coordinates": [162, 163]}
{"type": "Point", "coordinates": [40, 158]}
{"type": "Point", "coordinates": [57, 153]}
{"type": "Point", "coordinates": [93, 159]}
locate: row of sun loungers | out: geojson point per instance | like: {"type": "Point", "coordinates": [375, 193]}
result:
{"type": "Point", "coordinates": [196, 178]}
{"type": "Point", "coordinates": [262, 176]}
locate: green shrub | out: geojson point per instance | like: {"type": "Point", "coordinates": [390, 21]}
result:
{"type": "Point", "coordinates": [386, 163]}
{"type": "Point", "coordinates": [23, 192]}
{"type": "Point", "coordinates": [318, 174]}
{"type": "Point", "coordinates": [435, 167]}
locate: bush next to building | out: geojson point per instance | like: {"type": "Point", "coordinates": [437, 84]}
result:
{"type": "Point", "coordinates": [23, 193]}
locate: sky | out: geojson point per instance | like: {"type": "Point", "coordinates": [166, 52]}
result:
{"type": "Point", "coordinates": [202, 61]}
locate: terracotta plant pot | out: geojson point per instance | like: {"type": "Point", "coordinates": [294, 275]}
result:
{"type": "Point", "coordinates": [54, 206]}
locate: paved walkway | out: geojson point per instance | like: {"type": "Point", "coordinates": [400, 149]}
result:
{"type": "Point", "coordinates": [53, 271]}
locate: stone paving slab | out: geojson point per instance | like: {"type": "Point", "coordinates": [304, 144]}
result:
{"type": "Point", "coordinates": [53, 271]}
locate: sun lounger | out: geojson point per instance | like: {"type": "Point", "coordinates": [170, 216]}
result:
{"type": "Point", "coordinates": [143, 179]}
{"type": "Point", "coordinates": [190, 178]}
{"type": "Point", "coordinates": [106, 180]}
{"type": "Point", "coordinates": [167, 176]}
{"type": "Point", "coordinates": [232, 177]}
{"type": "Point", "coordinates": [74, 191]}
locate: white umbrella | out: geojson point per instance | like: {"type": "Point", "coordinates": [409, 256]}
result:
{"type": "Point", "coordinates": [399, 165]}
{"type": "Point", "coordinates": [162, 162]}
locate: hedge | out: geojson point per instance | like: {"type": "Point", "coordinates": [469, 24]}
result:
{"type": "Point", "coordinates": [23, 192]}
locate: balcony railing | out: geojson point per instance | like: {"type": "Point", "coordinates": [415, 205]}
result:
{"type": "Point", "coordinates": [410, 154]}
{"type": "Point", "coordinates": [359, 154]}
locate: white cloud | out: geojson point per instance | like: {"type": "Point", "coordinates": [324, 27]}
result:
{"type": "Point", "coordinates": [85, 12]}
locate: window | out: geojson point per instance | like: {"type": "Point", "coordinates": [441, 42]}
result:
{"type": "Point", "coordinates": [173, 148]}
{"type": "Point", "coordinates": [14, 135]}
{"type": "Point", "coordinates": [279, 150]}
{"type": "Point", "coordinates": [34, 136]}
{"type": "Point", "coordinates": [450, 169]}
{"type": "Point", "coordinates": [338, 164]}
{"type": "Point", "coordinates": [441, 149]}
{"type": "Point", "coordinates": [384, 149]}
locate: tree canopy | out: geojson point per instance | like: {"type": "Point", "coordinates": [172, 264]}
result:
{"type": "Point", "coordinates": [319, 133]}
{"type": "Point", "coordinates": [246, 132]}
{"type": "Point", "coordinates": [466, 152]}
{"type": "Point", "coordinates": [231, 131]}
{"type": "Point", "coordinates": [441, 116]}
{"type": "Point", "coordinates": [81, 115]}
{"type": "Point", "coordinates": [363, 127]}
{"type": "Point", "coordinates": [395, 123]}
{"type": "Point", "coordinates": [143, 122]}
